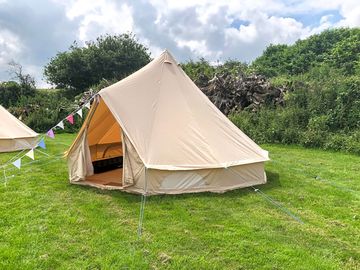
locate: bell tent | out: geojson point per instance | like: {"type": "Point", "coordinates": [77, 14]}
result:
{"type": "Point", "coordinates": [155, 132]}
{"type": "Point", "coordinates": [15, 135]}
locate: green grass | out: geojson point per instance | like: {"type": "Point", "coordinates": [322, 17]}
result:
{"type": "Point", "coordinates": [46, 223]}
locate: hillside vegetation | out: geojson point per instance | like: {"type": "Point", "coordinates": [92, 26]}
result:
{"type": "Point", "coordinates": [321, 106]}
{"type": "Point", "coordinates": [336, 48]}
{"type": "Point", "coordinates": [311, 95]}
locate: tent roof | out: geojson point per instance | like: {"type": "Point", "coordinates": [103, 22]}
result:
{"type": "Point", "coordinates": [13, 128]}
{"type": "Point", "coordinates": [172, 124]}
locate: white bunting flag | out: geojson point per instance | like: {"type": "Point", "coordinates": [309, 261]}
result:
{"type": "Point", "coordinates": [17, 163]}
{"type": "Point", "coordinates": [60, 124]}
{"type": "Point", "coordinates": [87, 105]}
{"type": "Point", "coordinates": [30, 154]}
{"type": "Point", "coordinates": [79, 112]}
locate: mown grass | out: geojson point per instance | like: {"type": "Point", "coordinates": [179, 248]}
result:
{"type": "Point", "coordinates": [46, 223]}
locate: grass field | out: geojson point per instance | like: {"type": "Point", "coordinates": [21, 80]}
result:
{"type": "Point", "coordinates": [46, 223]}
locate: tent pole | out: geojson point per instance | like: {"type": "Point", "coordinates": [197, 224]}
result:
{"type": "Point", "coordinates": [142, 207]}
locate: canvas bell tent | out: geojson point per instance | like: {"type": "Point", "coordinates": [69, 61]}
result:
{"type": "Point", "coordinates": [155, 132]}
{"type": "Point", "coordinates": [15, 135]}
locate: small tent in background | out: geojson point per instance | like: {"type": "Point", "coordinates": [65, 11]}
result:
{"type": "Point", "coordinates": [15, 135]}
{"type": "Point", "coordinates": [155, 132]}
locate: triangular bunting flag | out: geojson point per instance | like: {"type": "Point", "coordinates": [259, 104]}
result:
{"type": "Point", "coordinates": [17, 163]}
{"type": "Point", "coordinates": [70, 118]}
{"type": "Point", "coordinates": [30, 154]}
{"type": "Point", "coordinates": [87, 105]}
{"type": "Point", "coordinates": [50, 134]}
{"type": "Point", "coordinates": [79, 112]}
{"type": "Point", "coordinates": [60, 124]}
{"type": "Point", "coordinates": [42, 144]}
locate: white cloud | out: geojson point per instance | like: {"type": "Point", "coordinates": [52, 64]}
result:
{"type": "Point", "coordinates": [99, 17]}
{"type": "Point", "coordinates": [350, 10]}
{"type": "Point", "coordinates": [216, 30]}
{"type": "Point", "coordinates": [202, 28]}
{"type": "Point", "coordinates": [10, 48]}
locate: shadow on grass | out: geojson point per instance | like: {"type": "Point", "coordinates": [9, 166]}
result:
{"type": "Point", "coordinates": [272, 183]}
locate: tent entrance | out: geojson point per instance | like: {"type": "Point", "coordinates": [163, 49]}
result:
{"type": "Point", "coordinates": [104, 136]}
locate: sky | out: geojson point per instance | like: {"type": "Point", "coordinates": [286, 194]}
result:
{"type": "Point", "coordinates": [32, 32]}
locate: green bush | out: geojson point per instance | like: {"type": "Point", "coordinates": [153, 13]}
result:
{"type": "Point", "coordinates": [335, 141]}
{"type": "Point", "coordinates": [45, 109]}
{"type": "Point", "coordinates": [316, 133]}
{"type": "Point", "coordinates": [352, 142]}
{"type": "Point", "coordinates": [11, 92]}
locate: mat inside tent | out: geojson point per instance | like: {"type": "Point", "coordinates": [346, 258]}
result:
{"type": "Point", "coordinates": [109, 179]}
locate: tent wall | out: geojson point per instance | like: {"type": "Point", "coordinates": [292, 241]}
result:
{"type": "Point", "coordinates": [133, 167]}
{"type": "Point", "coordinates": [9, 145]}
{"type": "Point", "coordinates": [152, 181]}
{"type": "Point", "coordinates": [79, 159]}
{"type": "Point", "coordinates": [15, 135]}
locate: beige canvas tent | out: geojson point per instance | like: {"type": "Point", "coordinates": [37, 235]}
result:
{"type": "Point", "coordinates": [15, 135]}
{"type": "Point", "coordinates": [155, 132]}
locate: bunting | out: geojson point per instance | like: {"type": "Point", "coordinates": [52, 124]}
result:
{"type": "Point", "coordinates": [79, 112]}
{"type": "Point", "coordinates": [70, 118]}
{"type": "Point", "coordinates": [30, 154]}
{"type": "Point", "coordinates": [42, 144]}
{"type": "Point", "coordinates": [17, 163]}
{"type": "Point", "coordinates": [50, 134]}
{"type": "Point", "coordinates": [60, 124]}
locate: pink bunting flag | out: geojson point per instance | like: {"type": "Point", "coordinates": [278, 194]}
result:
{"type": "Point", "coordinates": [70, 118]}
{"type": "Point", "coordinates": [50, 134]}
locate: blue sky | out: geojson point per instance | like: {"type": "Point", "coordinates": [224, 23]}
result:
{"type": "Point", "coordinates": [31, 32]}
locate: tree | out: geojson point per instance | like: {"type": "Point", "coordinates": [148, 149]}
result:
{"type": "Point", "coordinates": [199, 71]}
{"type": "Point", "coordinates": [109, 57]}
{"type": "Point", "coordinates": [25, 80]}
{"type": "Point", "coordinates": [338, 48]}
{"type": "Point", "coordinates": [12, 91]}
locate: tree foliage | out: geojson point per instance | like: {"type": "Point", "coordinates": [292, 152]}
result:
{"type": "Point", "coordinates": [201, 71]}
{"type": "Point", "coordinates": [338, 48]}
{"type": "Point", "coordinates": [322, 104]}
{"type": "Point", "coordinates": [109, 57]}
{"type": "Point", "coordinates": [12, 91]}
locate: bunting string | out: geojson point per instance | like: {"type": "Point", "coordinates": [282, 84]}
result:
{"type": "Point", "coordinates": [16, 160]}
{"type": "Point", "coordinates": [51, 159]}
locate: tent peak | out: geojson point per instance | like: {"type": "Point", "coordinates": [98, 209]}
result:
{"type": "Point", "coordinates": [168, 58]}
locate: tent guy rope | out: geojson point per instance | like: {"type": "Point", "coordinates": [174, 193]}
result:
{"type": "Point", "coordinates": [277, 204]}
{"type": "Point", "coordinates": [272, 201]}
